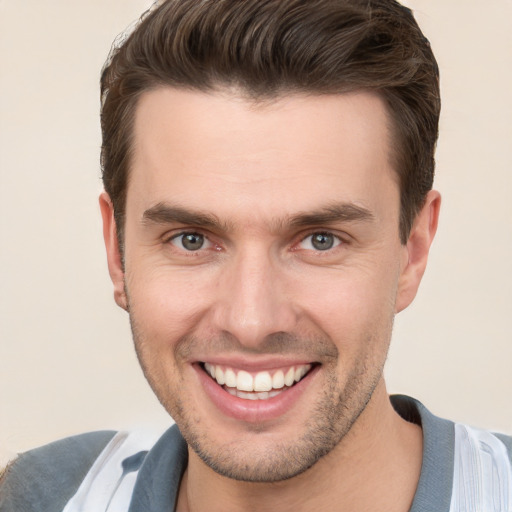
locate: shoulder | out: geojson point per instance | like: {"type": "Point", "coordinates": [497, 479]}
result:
{"type": "Point", "coordinates": [507, 441]}
{"type": "Point", "coordinates": [483, 470]}
{"type": "Point", "coordinates": [473, 444]}
{"type": "Point", "coordinates": [45, 478]}
{"type": "Point", "coordinates": [478, 447]}
{"type": "Point", "coordinates": [463, 468]}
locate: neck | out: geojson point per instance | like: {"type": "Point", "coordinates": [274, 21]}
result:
{"type": "Point", "coordinates": [375, 467]}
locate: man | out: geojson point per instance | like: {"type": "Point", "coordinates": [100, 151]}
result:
{"type": "Point", "coordinates": [268, 209]}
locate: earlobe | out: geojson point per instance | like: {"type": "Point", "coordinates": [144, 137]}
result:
{"type": "Point", "coordinates": [417, 249]}
{"type": "Point", "coordinates": [114, 258]}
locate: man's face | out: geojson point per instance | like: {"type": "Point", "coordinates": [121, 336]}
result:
{"type": "Point", "coordinates": [262, 245]}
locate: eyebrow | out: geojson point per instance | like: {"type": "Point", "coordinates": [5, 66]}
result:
{"type": "Point", "coordinates": [336, 212]}
{"type": "Point", "coordinates": [164, 213]}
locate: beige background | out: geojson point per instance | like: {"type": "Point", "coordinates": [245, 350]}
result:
{"type": "Point", "coordinates": [66, 358]}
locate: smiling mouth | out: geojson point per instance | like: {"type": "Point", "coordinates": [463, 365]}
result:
{"type": "Point", "coordinates": [261, 385]}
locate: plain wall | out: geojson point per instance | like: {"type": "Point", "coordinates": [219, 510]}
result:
{"type": "Point", "coordinates": [67, 363]}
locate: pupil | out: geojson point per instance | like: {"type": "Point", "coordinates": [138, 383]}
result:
{"type": "Point", "coordinates": [322, 241]}
{"type": "Point", "coordinates": [193, 241]}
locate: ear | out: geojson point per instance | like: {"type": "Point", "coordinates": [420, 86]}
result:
{"type": "Point", "coordinates": [115, 264]}
{"type": "Point", "coordinates": [415, 252]}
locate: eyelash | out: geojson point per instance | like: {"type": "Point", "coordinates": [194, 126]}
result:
{"type": "Point", "coordinates": [176, 236]}
{"type": "Point", "coordinates": [338, 240]}
{"type": "Point", "coordinates": [335, 240]}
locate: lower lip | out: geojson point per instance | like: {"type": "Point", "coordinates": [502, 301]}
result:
{"type": "Point", "coordinates": [253, 411]}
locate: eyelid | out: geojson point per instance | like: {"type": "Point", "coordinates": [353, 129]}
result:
{"type": "Point", "coordinates": [171, 237]}
{"type": "Point", "coordinates": [340, 238]}
{"type": "Point", "coordinates": [179, 231]}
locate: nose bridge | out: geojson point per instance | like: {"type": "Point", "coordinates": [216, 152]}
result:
{"type": "Point", "coordinates": [255, 303]}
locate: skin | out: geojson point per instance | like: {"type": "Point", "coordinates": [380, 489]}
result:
{"type": "Point", "coordinates": [258, 292]}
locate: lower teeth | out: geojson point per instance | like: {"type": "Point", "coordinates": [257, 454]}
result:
{"type": "Point", "coordinates": [254, 395]}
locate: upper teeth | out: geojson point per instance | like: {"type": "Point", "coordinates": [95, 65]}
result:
{"type": "Point", "coordinates": [260, 381]}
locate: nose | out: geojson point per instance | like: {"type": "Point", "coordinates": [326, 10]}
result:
{"type": "Point", "coordinates": [254, 303]}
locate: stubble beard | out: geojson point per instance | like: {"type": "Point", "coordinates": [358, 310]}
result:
{"type": "Point", "coordinates": [332, 418]}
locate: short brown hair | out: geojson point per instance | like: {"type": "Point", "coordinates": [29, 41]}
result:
{"type": "Point", "coordinates": [268, 48]}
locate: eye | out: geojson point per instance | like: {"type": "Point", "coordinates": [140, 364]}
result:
{"type": "Point", "coordinates": [190, 241]}
{"type": "Point", "coordinates": [320, 241]}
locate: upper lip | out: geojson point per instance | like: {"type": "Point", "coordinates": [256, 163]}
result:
{"type": "Point", "coordinates": [255, 364]}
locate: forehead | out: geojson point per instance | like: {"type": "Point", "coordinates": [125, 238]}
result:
{"type": "Point", "coordinates": [223, 152]}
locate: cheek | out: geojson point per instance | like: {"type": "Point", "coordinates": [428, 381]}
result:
{"type": "Point", "coordinates": [350, 296]}
{"type": "Point", "coordinates": [165, 305]}
{"type": "Point", "coordinates": [355, 310]}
